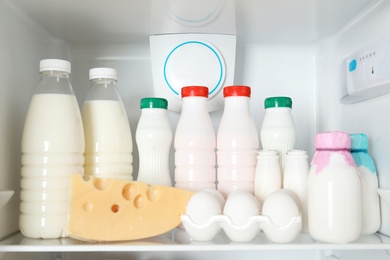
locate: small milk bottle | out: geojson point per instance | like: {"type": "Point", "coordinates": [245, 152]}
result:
{"type": "Point", "coordinates": [154, 138]}
{"type": "Point", "coordinates": [108, 141]}
{"type": "Point", "coordinates": [52, 150]}
{"type": "Point", "coordinates": [195, 142]}
{"type": "Point", "coordinates": [334, 197]}
{"type": "Point", "coordinates": [278, 131]}
{"type": "Point", "coordinates": [369, 184]}
{"type": "Point", "coordinates": [268, 175]}
{"type": "Point", "coordinates": [295, 180]}
{"type": "Point", "coordinates": [237, 142]}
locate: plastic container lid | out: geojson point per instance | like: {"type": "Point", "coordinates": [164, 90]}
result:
{"type": "Point", "coordinates": [359, 142]}
{"type": "Point", "coordinates": [243, 91]}
{"type": "Point", "coordinates": [195, 91]}
{"type": "Point", "coordinates": [102, 73]}
{"type": "Point", "coordinates": [54, 64]}
{"type": "Point", "coordinates": [277, 102]}
{"type": "Point", "coordinates": [152, 102]}
{"type": "Point", "coordinates": [334, 140]}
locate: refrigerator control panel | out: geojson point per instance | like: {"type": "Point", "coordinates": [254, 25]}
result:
{"type": "Point", "coordinates": [367, 73]}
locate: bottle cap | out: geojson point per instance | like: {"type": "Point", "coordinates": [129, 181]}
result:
{"type": "Point", "coordinates": [54, 64]}
{"type": "Point", "coordinates": [332, 140]}
{"type": "Point", "coordinates": [195, 91]}
{"type": "Point", "coordinates": [243, 91]}
{"type": "Point", "coordinates": [102, 73]}
{"type": "Point", "coordinates": [152, 102]}
{"type": "Point", "coordinates": [359, 142]}
{"type": "Point", "coordinates": [277, 102]}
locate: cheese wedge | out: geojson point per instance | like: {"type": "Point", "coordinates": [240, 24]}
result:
{"type": "Point", "coordinates": [115, 210]}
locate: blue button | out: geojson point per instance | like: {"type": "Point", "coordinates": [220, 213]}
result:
{"type": "Point", "coordinates": [352, 65]}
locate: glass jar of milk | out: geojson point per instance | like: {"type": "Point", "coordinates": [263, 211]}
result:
{"type": "Point", "coordinates": [334, 202]}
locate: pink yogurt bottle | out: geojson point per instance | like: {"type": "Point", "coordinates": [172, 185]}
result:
{"type": "Point", "coordinates": [195, 142]}
{"type": "Point", "coordinates": [237, 142]}
{"type": "Point", "coordinates": [334, 202]}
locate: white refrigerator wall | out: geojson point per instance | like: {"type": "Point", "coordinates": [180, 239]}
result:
{"type": "Point", "coordinates": [22, 44]}
{"type": "Point", "coordinates": [307, 71]}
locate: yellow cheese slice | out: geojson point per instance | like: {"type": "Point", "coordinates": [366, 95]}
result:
{"type": "Point", "coordinates": [114, 210]}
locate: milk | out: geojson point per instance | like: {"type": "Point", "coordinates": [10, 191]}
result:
{"type": "Point", "coordinates": [237, 143]}
{"type": "Point", "coordinates": [370, 201]}
{"type": "Point", "coordinates": [52, 146]}
{"type": "Point", "coordinates": [154, 138]}
{"type": "Point", "coordinates": [195, 142]}
{"type": "Point", "coordinates": [334, 192]}
{"type": "Point", "coordinates": [108, 142]}
{"type": "Point", "coordinates": [278, 130]}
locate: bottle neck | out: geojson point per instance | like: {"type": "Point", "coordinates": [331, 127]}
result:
{"type": "Point", "coordinates": [278, 110]}
{"type": "Point", "coordinates": [237, 103]}
{"type": "Point", "coordinates": [103, 89]}
{"type": "Point", "coordinates": [192, 103]}
{"type": "Point", "coordinates": [54, 74]}
{"type": "Point", "coordinates": [102, 82]}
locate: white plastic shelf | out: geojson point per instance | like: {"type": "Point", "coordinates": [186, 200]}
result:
{"type": "Point", "coordinates": [178, 241]}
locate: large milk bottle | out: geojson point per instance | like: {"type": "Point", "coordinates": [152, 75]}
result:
{"type": "Point", "coordinates": [154, 138]}
{"type": "Point", "coordinates": [52, 150]}
{"type": "Point", "coordinates": [334, 197]}
{"type": "Point", "coordinates": [237, 142]}
{"type": "Point", "coordinates": [195, 142]}
{"type": "Point", "coordinates": [108, 141]}
{"type": "Point", "coordinates": [278, 131]}
{"type": "Point", "coordinates": [371, 219]}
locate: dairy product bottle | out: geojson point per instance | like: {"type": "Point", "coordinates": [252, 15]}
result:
{"type": "Point", "coordinates": [295, 180]}
{"type": "Point", "coordinates": [278, 131]}
{"type": "Point", "coordinates": [108, 141]}
{"type": "Point", "coordinates": [52, 150]}
{"type": "Point", "coordinates": [237, 143]}
{"type": "Point", "coordinates": [268, 175]}
{"type": "Point", "coordinates": [334, 197]}
{"type": "Point", "coordinates": [195, 142]}
{"type": "Point", "coordinates": [154, 138]}
{"type": "Point", "coordinates": [371, 219]}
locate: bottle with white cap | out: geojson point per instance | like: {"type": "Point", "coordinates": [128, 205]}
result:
{"type": "Point", "coordinates": [108, 141]}
{"type": "Point", "coordinates": [195, 142]}
{"type": "Point", "coordinates": [154, 139]}
{"type": "Point", "coordinates": [52, 150]}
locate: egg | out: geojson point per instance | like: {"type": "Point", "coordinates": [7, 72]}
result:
{"type": "Point", "coordinates": [240, 206]}
{"type": "Point", "coordinates": [200, 222]}
{"type": "Point", "coordinates": [202, 206]}
{"type": "Point", "coordinates": [282, 209]}
{"type": "Point", "coordinates": [218, 195]}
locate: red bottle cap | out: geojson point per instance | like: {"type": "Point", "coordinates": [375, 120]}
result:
{"type": "Point", "coordinates": [243, 91]}
{"type": "Point", "coordinates": [195, 91]}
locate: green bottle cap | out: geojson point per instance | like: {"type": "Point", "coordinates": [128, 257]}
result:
{"type": "Point", "coordinates": [153, 102]}
{"type": "Point", "coordinates": [277, 102]}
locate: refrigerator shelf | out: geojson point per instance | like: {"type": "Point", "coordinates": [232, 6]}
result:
{"type": "Point", "coordinates": [178, 241]}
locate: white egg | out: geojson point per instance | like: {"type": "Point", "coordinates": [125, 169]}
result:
{"type": "Point", "coordinates": [218, 195]}
{"type": "Point", "coordinates": [202, 206]}
{"type": "Point", "coordinates": [281, 207]}
{"type": "Point", "coordinates": [240, 206]}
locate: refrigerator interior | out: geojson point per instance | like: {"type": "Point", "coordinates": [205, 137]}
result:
{"type": "Point", "coordinates": [286, 48]}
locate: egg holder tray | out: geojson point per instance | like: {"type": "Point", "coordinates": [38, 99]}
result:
{"type": "Point", "coordinates": [243, 233]}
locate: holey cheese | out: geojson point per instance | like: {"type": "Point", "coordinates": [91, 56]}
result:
{"type": "Point", "coordinates": [114, 209]}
